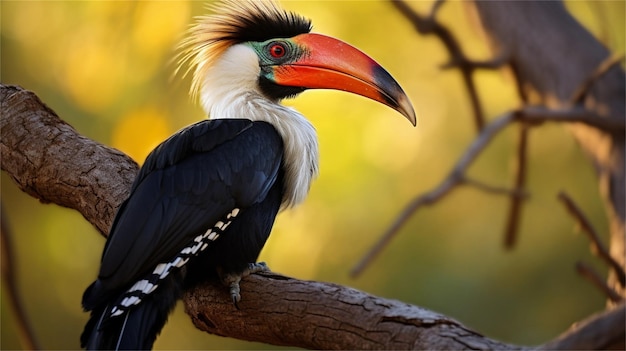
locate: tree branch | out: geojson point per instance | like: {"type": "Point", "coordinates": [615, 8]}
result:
{"type": "Point", "coordinates": [455, 177]}
{"type": "Point", "coordinates": [598, 247]}
{"type": "Point", "coordinates": [587, 90]}
{"type": "Point", "coordinates": [588, 272]}
{"type": "Point", "coordinates": [27, 336]}
{"type": "Point", "coordinates": [580, 93]}
{"type": "Point", "coordinates": [515, 204]}
{"type": "Point", "coordinates": [536, 34]}
{"type": "Point", "coordinates": [429, 25]}
{"type": "Point", "coordinates": [314, 315]}
{"type": "Point", "coordinates": [488, 188]}
{"type": "Point", "coordinates": [50, 161]}
{"type": "Point", "coordinates": [531, 116]}
{"type": "Point", "coordinates": [275, 309]}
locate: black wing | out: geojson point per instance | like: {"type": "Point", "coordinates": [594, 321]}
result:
{"type": "Point", "coordinates": [186, 185]}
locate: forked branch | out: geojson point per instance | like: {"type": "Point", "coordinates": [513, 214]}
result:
{"type": "Point", "coordinates": [458, 59]}
{"type": "Point", "coordinates": [276, 309]}
{"type": "Point", "coordinates": [598, 247]}
{"type": "Point", "coordinates": [34, 148]}
{"type": "Point", "coordinates": [532, 116]}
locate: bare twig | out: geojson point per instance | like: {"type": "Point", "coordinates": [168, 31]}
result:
{"type": "Point", "coordinates": [435, 9]}
{"type": "Point", "coordinates": [600, 71]}
{"type": "Point", "coordinates": [576, 114]}
{"type": "Point", "coordinates": [495, 189]}
{"type": "Point", "coordinates": [454, 178]}
{"type": "Point", "coordinates": [512, 226]}
{"type": "Point", "coordinates": [593, 276]}
{"type": "Point", "coordinates": [26, 333]}
{"type": "Point", "coordinates": [515, 208]}
{"type": "Point", "coordinates": [467, 64]}
{"type": "Point", "coordinates": [429, 25]}
{"type": "Point", "coordinates": [598, 247]}
{"type": "Point", "coordinates": [531, 116]}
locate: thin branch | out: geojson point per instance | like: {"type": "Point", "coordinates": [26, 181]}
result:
{"type": "Point", "coordinates": [454, 178]}
{"type": "Point", "coordinates": [582, 91]}
{"type": "Point", "coordinates": [429, 25]}
{"type": "Point", "coordinates": [516, 202]}
{"type": "Point", "coordinates": [25, 329]}
{"type": "Point", "coordinates": [598, 247]}
{"type": "Point", "coordinates": [495, 189]}
{"type": "Point", "coordinates": [576, 114]}
{"type": "Point", "coordinates": [531, 116]}
{"type": "Point", "coordinates": [435, 9]}
{"type": "Point", "coordinates": [467, 64]}
{"type": "Point", "coordinates": [593, 276]}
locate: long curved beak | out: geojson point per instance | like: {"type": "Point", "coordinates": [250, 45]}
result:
{"type": "Point", "coordinates": [329, 63]}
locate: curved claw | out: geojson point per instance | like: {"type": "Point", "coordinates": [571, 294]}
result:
{"type": "Point", "coordinates": [232, 280]}
{"type": "Point", "coordinates": [235, 291]}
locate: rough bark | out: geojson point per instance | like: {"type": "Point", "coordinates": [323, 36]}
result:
{"type": "Point", "coordinates": [39, 149]}
{"type": "Point", "coordinates": [50, 161]}
{"type": "Point", "coordinates": [552, 55]}
{"type": "Point", "coordinates": [314, 315]}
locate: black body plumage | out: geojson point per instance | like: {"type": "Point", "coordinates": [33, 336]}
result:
{"type": "Point", "coordinates": [205, 198]}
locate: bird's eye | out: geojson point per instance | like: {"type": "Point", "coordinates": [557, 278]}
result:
{"type": "Point", "coordinates": [277, 50]}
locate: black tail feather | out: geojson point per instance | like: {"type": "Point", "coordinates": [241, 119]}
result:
{"type": "Point", "coordinates": [134, 330]}
{"type": "Point", "coordinates": [138, 327]}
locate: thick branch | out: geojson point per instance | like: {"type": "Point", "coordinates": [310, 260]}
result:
{"type": "Point", "coordinates": [313, 315]}
{"type": "Point", "coordinates": [51, 162]}
{"type": "Point", "coordinates": [274, 309]}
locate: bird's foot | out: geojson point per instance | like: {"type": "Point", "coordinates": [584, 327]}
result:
{"type": "Point", "coordinates": [232, 280]}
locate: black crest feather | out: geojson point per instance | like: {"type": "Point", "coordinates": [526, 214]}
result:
{"type": "Point", "coordinates": [233, 22]}
{"type": "Point", "coordinates": [263, 20]}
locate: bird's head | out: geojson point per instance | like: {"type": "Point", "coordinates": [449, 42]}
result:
{"type": "Point", "coordinates": [254, 47]}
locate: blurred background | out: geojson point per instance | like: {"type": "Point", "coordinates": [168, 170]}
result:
{"type": "Point", "coordinates": [107, 69]}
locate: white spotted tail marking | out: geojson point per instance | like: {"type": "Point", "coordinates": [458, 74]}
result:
{"type": "Point", "coordinates": [144, 287]}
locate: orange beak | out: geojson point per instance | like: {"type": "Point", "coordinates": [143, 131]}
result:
{"type": "Point", "coordinates": [329, 63]}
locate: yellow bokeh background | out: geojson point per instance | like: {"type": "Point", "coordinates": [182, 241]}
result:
{"type": "Point", "coordinates": [106, 67]}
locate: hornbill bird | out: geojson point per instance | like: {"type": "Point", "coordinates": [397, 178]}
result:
{"type": "Point", "coordinates": [206, 198]}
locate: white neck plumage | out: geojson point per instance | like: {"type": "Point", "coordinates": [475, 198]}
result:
{"type": "Point", "coordinates": [230, 90]}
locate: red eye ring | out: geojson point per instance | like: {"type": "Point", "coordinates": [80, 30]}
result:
{"type": "Point", "coordinates": [277, 50]}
